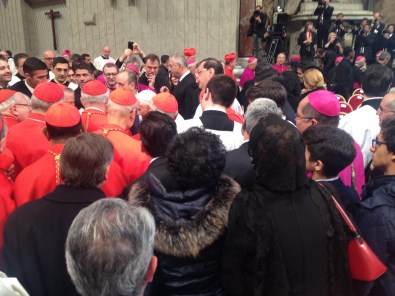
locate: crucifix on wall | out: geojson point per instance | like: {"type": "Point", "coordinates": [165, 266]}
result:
{"type": "Point", "coordinates": [52, 14]}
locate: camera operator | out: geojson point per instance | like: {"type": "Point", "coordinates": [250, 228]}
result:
{"type": "Point", "coordinates": [377, 30]}
{"type": "Point", "coordinates": [323, 23]}
{"type": "Point", "coordinates": [358, 33]}
{"type": "Point", "coordinates": [334, 44]}
{"type": "Point", "coordinates": [272, 34]}
{"type": "Point", "coordinates": [338, 27]}
{"type": "Point", "coordinates": [389, 37]}
{"type": "Point", "coordinates": [257, 29]}
{"type": "Point", "coordinates": [368, 41]}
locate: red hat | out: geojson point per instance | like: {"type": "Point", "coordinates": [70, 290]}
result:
{"type": "Point", "coordinates": [66, 52]}
{"type": "Point", "coordinates": [123, 97]}
{"type": "Point", "coordinates": [5, 94]}
{"type": "Point", "coordinates": [191, 61]}
{"type": "Point", "coordinates": [230, 57]}
{"type": "Point", "coordinates": [94, 88]}
{"type": "Point", "coordinates": [189, 52]}
{"type": "Point", "coordinates": [166, 102]}
{"type": "Point", "coordinates": [324, 102]}
{"type": "Point", "coordinates": [359, 58]}
{"type": "Point", "coordinates": [132, 68]}
{"type": "Point", "coordinates": [339, 59]}
{"type": "Point", "coordinates": [62, 115]}
{"type": "Point", "coordinates": [48, 92]}
{"type": "Point", "coordinates": [296, 59]}
{"type": "Point", "coordinates": [252, 60]}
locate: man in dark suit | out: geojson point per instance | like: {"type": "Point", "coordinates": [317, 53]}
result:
{"type": "Point", "coordinates": [238, 162]}
{"type": "Point", "coordinates": [377, 30]}
{"type": "Point", "coordinates": [324, 12]}
{"type": "Point", "coordinates": [344, 74]}
{"type": "Point", "coordinates": [35, 72]}
{"type": "Point", "coordinates": [185, 91]}
{"type": "Point", "coordinates": [157, 130]}
{"type": "Point", "coordinates": [35, 233]}
{"type": "Point", "coordinates": [389, 37]}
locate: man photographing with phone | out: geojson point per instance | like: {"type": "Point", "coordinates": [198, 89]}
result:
{"type": "Point", "coordinates": [324, 12]}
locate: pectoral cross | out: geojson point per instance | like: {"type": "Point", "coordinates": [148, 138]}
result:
{"type": "Point", "coordinates": [52, 14]}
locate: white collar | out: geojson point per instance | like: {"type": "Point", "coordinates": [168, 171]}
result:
{"type": "Point", "coordinates": [29, 87]}
{"type": "Point", "coordinates": [327, 180]}
{"type": "Point", "coordinates": [183, 76]}
{"type": "Point", "coordinates": [215, 108]}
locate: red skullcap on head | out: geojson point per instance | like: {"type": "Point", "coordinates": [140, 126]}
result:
{"type": "Point", "coordinates": [324, 102]}
{"type": "Point", "coordinates": [166, 102]}
{"type": "Point", "coordinates": [191, 61]}
{"type": "Point", "coordinates": [94, 88]}
{"type": "Point", "coordinates": [296, 59]}
{"type": "Point", "coordinates": [359, 58]}
{"type": "Point", "coordinates": [338, 60]}
{"type": "Point", "coordinates": [251, 60]}
{"type": "Point", "coordinates": [48, 92]}
{"type": "Point", "coordinates": [62, 115]}
{"type": "Point", "coordinates": [123, 97]}
{"type": "Point", "coordinates": [5, 94]}
{"type": "Point", "coordinates": [189, 52]}
{"type": "Point", "coordinates": [66, 52]}
{"type": "Point", "coordinates": [230, 57]}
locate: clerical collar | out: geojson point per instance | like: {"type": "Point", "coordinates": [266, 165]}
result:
{"type": "Point", "coordinates": [327, 180]}
{"type": "Point", "coordinates": [104, 58]}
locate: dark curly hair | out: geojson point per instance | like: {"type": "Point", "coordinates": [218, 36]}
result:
{"type": "Point", "coordinates": [196, 158]}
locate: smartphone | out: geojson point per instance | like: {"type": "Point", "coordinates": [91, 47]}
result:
{"type": "Point", "coordinates": [130, 45]}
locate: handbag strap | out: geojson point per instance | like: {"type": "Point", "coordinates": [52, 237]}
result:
{"type": "Point", "coordinates": [342, 213]}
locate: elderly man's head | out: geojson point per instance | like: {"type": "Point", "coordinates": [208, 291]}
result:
{"type": "Point", "coordinates": [109, 249]}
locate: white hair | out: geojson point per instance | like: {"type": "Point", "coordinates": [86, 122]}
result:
{"type": "Point", "coordinates": [109, 248]}
{"type": "Point", "coordinates": [259, 109]}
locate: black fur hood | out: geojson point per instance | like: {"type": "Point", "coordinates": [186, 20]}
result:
{"type": "Point", "coordinates": [186, 221]}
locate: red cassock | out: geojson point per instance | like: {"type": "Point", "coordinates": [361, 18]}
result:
{"type": "Point", "coordinates": [7, 203]}
{"type": "Point", "coordinates": [128, 154]}
{"type": "Point", "coordinates": [42, 176]}
{"type": "Point", "coordinates": [27, 141]}
{"type": "Point", "coordinates": [93, 119]}
{"type": "Point", "coordinates": [9, 121]}
{"type": "Point", "coordinates": [229, 72]}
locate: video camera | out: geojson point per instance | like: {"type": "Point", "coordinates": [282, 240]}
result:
{"type": "Point", "coordinates": [280, 21]}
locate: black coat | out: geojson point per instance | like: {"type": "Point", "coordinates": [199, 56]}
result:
{"type": "Point", "coordinates": [189, 235]}
{"type": "Point", "coordinates": [35, 236]}
{"type": "Point", "coordinates": [162, 78]}
{"type": "Point", "coordinates": [307, 51]}
{"type": "Point", "coordinates": [20, 86]}
{"type": "Point", "coordinates": [327, 14]}
{"type": "Point", "coordinates": [282, 244]}
{"type": "Point", "coordinates": [257, 27]}
{"type": "Point", "coordinates": [344, 79]}
{"type": "Point", "coordinates": [185, 93]}
{"type": "Point", "coordinates": [239, 166]}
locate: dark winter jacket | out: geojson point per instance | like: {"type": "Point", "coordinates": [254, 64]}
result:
{"type": "Point", "coordinates": [376, 220]}
{"type": "Point", "coordinates": [189, 235]}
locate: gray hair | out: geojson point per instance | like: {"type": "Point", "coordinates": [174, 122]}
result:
{"type": "Point", "coordinates": [12, 100]}
{"type": "Point", "coordinates": [385, 56]}
{"type": "Point", "coordinates": [109, 248]}
{"type": "Point", "coordinates": [38, 104]}
{"type": "Point", "coordinates": [180, 59]}
{"type": "Point", "coordinates": [134, 59]}
{"type": "Point", "coordinates": [259, 109]}
{"type": "Point", "coordinates": [87, 99]}
{"type": "Point", "coordinates": [123, 110]}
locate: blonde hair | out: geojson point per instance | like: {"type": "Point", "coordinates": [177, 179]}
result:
{"type": "Point", "coordinates": [331, 34]}
{"type": "Point", "coordinates": [313, 78]}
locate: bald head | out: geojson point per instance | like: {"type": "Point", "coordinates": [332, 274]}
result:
{"type": "Point", "coordinates": [106, 51]}
{"type": "Point", "coordinates": [387, 107]}
{"type": "Point", "coordinates": [48, 57]}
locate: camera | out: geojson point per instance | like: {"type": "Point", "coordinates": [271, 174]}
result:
{"type": "Point", "coordinates": [337, 40]}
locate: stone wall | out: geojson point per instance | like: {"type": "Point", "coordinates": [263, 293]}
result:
{"type": "Point", "coordinates": [387, 9]}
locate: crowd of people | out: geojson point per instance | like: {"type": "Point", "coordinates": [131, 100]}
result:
{"type": "Point", "coordinates": [171, 176]}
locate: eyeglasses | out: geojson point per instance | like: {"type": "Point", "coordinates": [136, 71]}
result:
{"type": "Point", "coordinates": [376, 143]}
{"type": "Point", "coordinates": [26, 105]}
{"type": "Point", "coordinates": [381, 109]}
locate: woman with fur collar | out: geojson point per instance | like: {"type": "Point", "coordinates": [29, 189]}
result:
{"type": "Point", "coordinates": [284, 237]}
{"type": "Point", "coordinates": [191, 220]}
